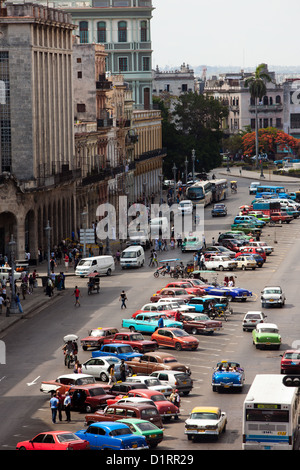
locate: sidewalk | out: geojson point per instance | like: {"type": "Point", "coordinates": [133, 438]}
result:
{"type": "Point", "coordinates": [255, 176]}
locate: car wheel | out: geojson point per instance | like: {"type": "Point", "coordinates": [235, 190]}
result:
{"type": "Point", "coordinates": [108, 272]}
{"type": "Point", "coordinates": [130, 372]}
{"type": "Point", "coordinates": [88, 409]}
{"type": "Point", "coordinates": [178, 347]}
{"type": "Point", "coordinates": [194, 331]}
{"type": "Point", "coordinates": [22, 448]}
{"type": "Point", "coordinates": [243, 267]}
{"type": "Point", "coordinates": [132, 329]}
{"type": "Point", "coordinates": [103, 377]}
{"type": "Point", "coordinates": [221, 268]}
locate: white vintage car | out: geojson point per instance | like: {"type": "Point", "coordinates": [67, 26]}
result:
{"type": "Point", "coordinates": [272, 296]}
{"type": "Point", "coordinates": [205, 420]}
{"type": "Point", "coordinates": [152, 383]}
{"type": "Point", "coordinates": [245, 262]}
{"type": "Point", "coordinates": [267, 248]}
{"type": "Point", "coordinates": [221, 263]}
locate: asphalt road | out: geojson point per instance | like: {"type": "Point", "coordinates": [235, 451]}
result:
{"type": "Point", "coordinates": [33, 346]}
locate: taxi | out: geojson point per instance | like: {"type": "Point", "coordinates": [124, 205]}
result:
{"type": "Point", "coordinates": [205, 421]}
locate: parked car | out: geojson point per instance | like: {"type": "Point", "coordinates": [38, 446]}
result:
{"type": "Point", "coordinates": [232, 244]}
{"type": "Point", "coordinates": [166, 408]}
{"type": "Point", "coordinates": [123, 388]}
{"type": "Point", "coordinates": [126, 410]}
{"type": "Point", "coordinates": [245, 262]}
{"type": "Point", "coordinates": [221, 263]}
{"type": "Point", "coordinates": [54, 440]}
{"type": "Point", "coordinates": [228, 375]}
{"type": "Point", "coordinates": [148, 322]}
{"type": "Point", "coordinates": [281, 217]}
{"type": "Point", "coordinates": [187, 285]}
{"type": "Point", "coordinates": [135, 340]}
{"type": "Point", "coordinates": [200, 323]}
{"type": "Point", "coordinates": [141, 427]}
{"type": "Point", "coordinates": [112, 436]}
{"type": "Point", "coordinates": [88, 398]}
{"type": "Point", "coordinates": [202, 304]}
{"type": "Point", "coordinates": [120, 350]}
{"type": "Point", "coordinates": [99, 367]}
{"type": "Point", "coordinates": [97, 336]}
{"type": "Point", "coordinates": [252, 250]}
{"type": "Point", "coordinates": [290, 362]}
{"type": "Point", "coordinates": [252, 318]}
{"type": "Point", "coordinates": [266, 335]}
{"type": "Point", "coordinates": [64, 382]}
{"type": "Point", "coordinates": [151, 362]}
{"type": "Point", "coordinates": [272, 296]}
{"type": "Point", "coordinates": [263, 245]}
{"type": "Point", "coordinates": [247, 219]}
{"type": "Point", "coordinates": [232, 293]}
{"type": "Point", "coordinates": [153, 307]}
{"type": "Point", "coordinates": [171, 293]}
{"type": "Point", "coordinates": [256, 257]}
{"type": "Point", "coordinates": [151, 382]}
{"type": "Point", "coordinates": [185, 207]}
{"type": "Point", "coordinates": [219, 210]}
{"type": "Point", "coordinates": [205, 421]}
{"type": "Point", "coordinates": [253, 187]}
{"type": "Point", "coordinates": [191, 243]}
{"type": "Point", "coordinates": [178, 303]}
{"type": "Point", "coordinates": [175, 338]}
{"type": "Point", "coordinates": [219, 250]}
{"type": "Point", "coordinates": [174, 379]}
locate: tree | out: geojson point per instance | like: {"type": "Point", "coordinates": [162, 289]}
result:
{"type": "Point", "coordinates": [258, 89]}
{"type": "Point", "coordinates": [270, 140]}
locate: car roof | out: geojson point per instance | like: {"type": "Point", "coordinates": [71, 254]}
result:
{"type": "Point", "coordinates": [108, 424]}
{"type": "Point", "coordinates": [267, 325]}
{"type": "Point", "coordinates": [159, 354]}
{"type": "Point", "coordinates": [74, 376]}
{"type": "Point", "coordinates": [211, 409]}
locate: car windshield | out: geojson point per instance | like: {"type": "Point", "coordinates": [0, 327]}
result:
{"type": "Point", "coordinates": [147, 426]}
{"type": "Point", "coordinates": [85, 381]}
{"type": "Point", "coordinates": [158, 398]}
{"type": "Point", "coordinates": [168, 360]}
{"type": "Point", "coordinates": [137, 337]}
{"type": "Point", "coordinates": [292, 356]}
{"type": "Point", "coordinates": [97, 333]}
{"type": "Point", "coordinates": [94, 392]}
{"type": "Point", "coordinates": [202, 415]}
{"type": "Point", "coordinates": [272, 291]}
{"type": "Point", "coordinates": [201, 317]}
{"type": "Point", "coordinates": [129, 254]}
{"type": "Point", "coordinates": [253, 316]}
{"type": "Point", "coordinates": [85, 262]}
{"type": "Point", "coordinates": [180, 333]}
{"type": "Point", "coordinates": [152, 382]}
{"type": "Point", "coordinates": [120, 432]}
{"type": "Point", "coordinates": [125, 349]}
{"type": "Point", "coordinates": [67, 437]}
{"type": "Point", "coordinates": [113, 360]}
{"type": "Point", "coordinates": [149, 412]}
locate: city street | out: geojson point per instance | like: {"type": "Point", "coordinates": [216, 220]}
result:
{"type": "Point", "coordinates": [34, 345]}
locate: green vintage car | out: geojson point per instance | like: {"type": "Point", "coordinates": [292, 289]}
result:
{"type": "Point", "coordinates": [260, 216]}
{"type": "Point", "coordinates": [191, 243]}
{"type": "Point", "coordinates": [141, 427]}
{"type": "Point", "coordinates": [246, 228]}
{"type": "Point", "coordinates": [266, 335]}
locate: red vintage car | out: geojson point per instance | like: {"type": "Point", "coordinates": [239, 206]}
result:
{"type": "Point", "coordinates": [290, 362]}
{"type": "Point", "coordinates": [252, 250]}
{"type": "Point", "coordinates": [97, 336]}
{"type": "Point", "coordinates": [175, 338]}
{"type": "Point", "coordinates": [136, 340]}
{"type": "Point", "coordinates": [188, 286]}
{"type": "Point", "coordinates": [200, 323]}
{"type": "Point", "coordinates": [171, 292]}
{"type": "Point", "coordinates": [54, 440]}
{"type": "Point", "coordinates": [166, 409]}
{"type": "Point", "coordinates": [89, 398]}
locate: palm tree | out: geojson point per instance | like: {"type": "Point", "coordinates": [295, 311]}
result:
{"type": "Point", "coordinates": [258, 89]}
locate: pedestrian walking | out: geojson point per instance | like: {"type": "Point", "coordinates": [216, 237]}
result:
{"type": "Point", "coordinates": [160, 323]}
{"type": "Point", "coordinates": [123, 298]}
{"type": "Point", "coordinates": [54, 402]}
{"type": "Point", "coordinates": [175, 398]}
{"type": "Point", "coordinates": [17, 300]}
{"type": "Point", "coordinates": [112, 378]}
{"type": "Point", "coordinates": [66, 260]}
{"type": "Point", "coordinates": [77, 294]}
{"type": "Point", "coordinates": [123, 371]}
{"type": "Point", "coordinates": [67, 406]}
{"type": "Point", "coordinates": [154, 258]}
{"type": "Point", "coordinates": [1, 302]}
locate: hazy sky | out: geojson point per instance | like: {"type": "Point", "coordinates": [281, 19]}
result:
{"type": "Point", "coordinates": [233, 32]}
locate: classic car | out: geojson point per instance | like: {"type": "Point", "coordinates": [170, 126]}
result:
{"type": "Point", "coordinates": [54, 440]}
{"type": "Point", "coordinates": [126, 410]}
{"type": "Point", "coordinates": [97, 336]}
{"type": "Point", "coordinates": [219, 250]}
{"type": "Point", "coordinates": [171, 293]}
{"type": "Point", "coordinates": [266, 335]}
{"type": "Point", "coordinates": [200, 323]}
{"type": "Point", "coordinates": [202, 304]}
{"type": "Point", "coordinates": [220, 263]}
{"type": "Point", "coordinates": [185, 207]}
{"type": "Point", "coordinates": [247, 219]}
{"type": "Point", "coordinates": [165, 407]}
{"type": "Point", "coordinates": [112, 436]}
{"type": "Point", "coordinates": [135, 340]}
{"type": "Point", "coordinates": [261, 244]}
{"type": "Point", "coordinates": [123, 388]}
{"type": "Point", "coordinates": [205, 421]}
{"type": "Point", "coordinates": [88, 398]}
{"type": "Point", "coordinates": [259, 215]}
{"type": "Point", "coordinates": [141, 427]}
{"type": "Point", "coordinates": [245, 262]}
{"type": "Point", "coordinates": [64, 382]}
{"type": "Point", "coordinates": [151, 362]}
{"type": "Point", "coordinates": [232, 244]}
{"type": "Point", "coordinates": [191, 243]}
{"type": "Point", "coordinates": [234, 235]}
{"type": "Point", "coordinates": [148, 322]}
{"type": "Point", "coordinates": [175, 338]}
{"type": "Point", "coordinates": [186, 285]}
{"type": "Point", "coordinates": [154, 307]}
{"type": "Point", "coordinates": [252, 250]}
{"type": "Point", "coordinates": [178, 303]}
{"type": "Point", "coordinates": [290, 362]}
{"type": "Point", "coordinates": [228, 375]}
{"type": "Point", "coordinates": [99, 367]}
{"type": "Point", "coordinates": [151, 382]}
{"type": "Point", "coordinates": [232, 293]}
{"type": "Point", "coordinates": [248, 228]}
{"type": "Point", "coordinates": [120, 350]}
{"type": "Point", "coordinates": [174, 379]}
{"type": "Point", "coordinates": [272, 296]}
{"type": "Point", "coordinates": [219, 210]}
{"type": "Point", "coordinates": [252, 318]}
{"type": "Point", "coordinates": [281, 217]}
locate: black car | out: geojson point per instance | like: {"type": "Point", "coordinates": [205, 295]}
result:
{"type": "Point", "coordinates": [219, 210]}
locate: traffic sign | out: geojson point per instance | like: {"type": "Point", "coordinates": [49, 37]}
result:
{"type": "Point", "coordinates": [87, 235]}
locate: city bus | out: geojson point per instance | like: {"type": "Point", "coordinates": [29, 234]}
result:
{"type": "Point", "coordinates": [270, 414]}
{"type": "Point", "coordinates": [200, 193]}
{"type": "Point", "coordinates": [219, 190]}
{"type": "Point", "coordinates": [271, 191]}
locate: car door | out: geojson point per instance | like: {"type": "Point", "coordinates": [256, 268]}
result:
{"type": "Point", "coordinates": [48, 442]}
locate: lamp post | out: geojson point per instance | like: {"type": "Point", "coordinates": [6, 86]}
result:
{"type": "Point", "coordinates": [193, 160]}
{"type": "Point", "coordinates": [186, 162]}
{"type": "Point", "coordinates": [174, 176]}
{"type": "Point", "coordinates": [48, 230]}
{"type": "Point", "coordinates": [160, 176]}
{"type": "Point", "coordinates": [13, 305]}
{"type": "Point", "coordinates": [83, 215]}
{"type": "Point", "coordinates": [261, 168]}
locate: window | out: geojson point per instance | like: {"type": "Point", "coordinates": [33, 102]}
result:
{"type": "Point", "coordinates": [79, 74]}
{"type": "Point", "coordinates": [122, 31]}
{"type": "Point", "coordinates": [295, 121]}
{"type": "Point", "coordinates": [84, 32]}
{"type": "Point", "coordinates": [80, 108]}
{"type": "Point", "coordinates": [143, 31]}
{"type": "Point", "coordinates": [78, 60]}
{"type": "Point", "coordinates": [184, 87]}
{"type": "Point", "coordinates": [123, 64]}
{"type": "Point", "coordinates": [146, 64]}
{"type": "Point", "coordinates": [101, 31]}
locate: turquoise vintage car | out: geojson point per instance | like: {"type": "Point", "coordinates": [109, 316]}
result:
{"type": "Point", "coordinates": [192, 243]}
{"type": "Point", "coordinates": [148, 322]}
{"type": "Point", "coordinates": [266, 335]}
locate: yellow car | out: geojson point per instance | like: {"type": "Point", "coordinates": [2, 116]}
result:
{"type": "Point", "coordinates": [205, 421]}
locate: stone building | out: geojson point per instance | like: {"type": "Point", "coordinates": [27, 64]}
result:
{"type": "Point", "coordinates": [291, 100]}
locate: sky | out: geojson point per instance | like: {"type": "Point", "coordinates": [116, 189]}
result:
{"type": "Point", "coordinates": [226, 33]}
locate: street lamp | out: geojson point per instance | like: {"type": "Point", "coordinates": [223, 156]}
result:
{"type": "Point", "coordinates": [174, 176]}
{"type": "Point", "coordinates": [48, 230]}
{"type": "Point", "coordinates": [261, 168]}
{"type": "Point", "coordinates": [160, 176]}
{"type": "Point", "coordinates": [83, 215]}
{"type": "Point", "coordinates": [193, 160]}
{"type": "Point", "coordinates": [13, 305]}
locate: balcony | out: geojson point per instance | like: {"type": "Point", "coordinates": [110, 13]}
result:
{"type": "Point", "coordinates": [57, 173]}
{"type": "Point", "coordinates": [264, 108]}
{"type": "Point", "coordinates": [104, 123]}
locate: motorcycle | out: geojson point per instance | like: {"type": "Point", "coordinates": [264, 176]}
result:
{"type": "Point", "coordinates": [70, 349]}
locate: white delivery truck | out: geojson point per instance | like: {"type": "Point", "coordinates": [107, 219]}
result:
{"type": "Point", "coordinates": [95, 264]}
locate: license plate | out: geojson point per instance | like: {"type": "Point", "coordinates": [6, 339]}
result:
{"type": "Point", "coordinates": [134, 446]}
{"type": "Point", "coordinates": [226, 386]}
{"type": "Point", "coordinates": [152, 436]}
{"type": "Point", "coordinates": [184, 383]}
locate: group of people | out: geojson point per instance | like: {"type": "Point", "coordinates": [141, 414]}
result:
{"type": "Point", "coordinates": [229, 281]}
{"type": "Point", "coordinates": [57, 404]}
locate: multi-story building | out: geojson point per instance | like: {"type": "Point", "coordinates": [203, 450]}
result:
{"type": "Point", "coordinates": [173, 82]}
{"type": "Point", "coordinates": [291, 102]}
{"type": "Point", "coordinates": [124, 28]}
{"type": "Point", "coordinates": [229, 88]}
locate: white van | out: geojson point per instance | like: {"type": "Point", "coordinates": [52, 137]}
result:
{"type": "Point", "coordinates": [133, 256]}
{"type": "Point", "coordinates": [5, 273]}
{"type": "Point", "coordinates": [159, 226]}
{"type": "Point", "coordinates": [95, 264]}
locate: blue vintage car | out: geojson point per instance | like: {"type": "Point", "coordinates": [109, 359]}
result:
{"type": "Point", "coordinates": [232, 293]}
{"type": "Point", "coordinates": [228, 375]}
{"type": "Point", "coordinates": [111, 435]}
{"type": "Point", "coordinates": [119, 350]}
{"type": "Point", "coordinates": [201, 304]}
{"type": "Point", "coordinates": [148, 322]}
{"type": "Point", "coordinates": [219, 210]}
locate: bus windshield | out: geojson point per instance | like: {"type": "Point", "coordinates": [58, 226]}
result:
{"type": "Point", "coordinates": [195, 193]}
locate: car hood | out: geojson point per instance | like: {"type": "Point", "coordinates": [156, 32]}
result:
{"type": "Point", "coordinates": [201, 422]}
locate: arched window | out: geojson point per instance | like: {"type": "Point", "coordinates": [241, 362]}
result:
{"type": "Point", "coordinates": [84, 32]}
{"type": "Point", "coordinates": [265, 101]}
{"type": "Point", "coordinates": [101, 31]}
{"type": "Point", "coordinates": [278, 99]}
{"type": "Point", "coordinates": [122, 31]}
{"type": "Point", "coordinates": [144, 31]}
